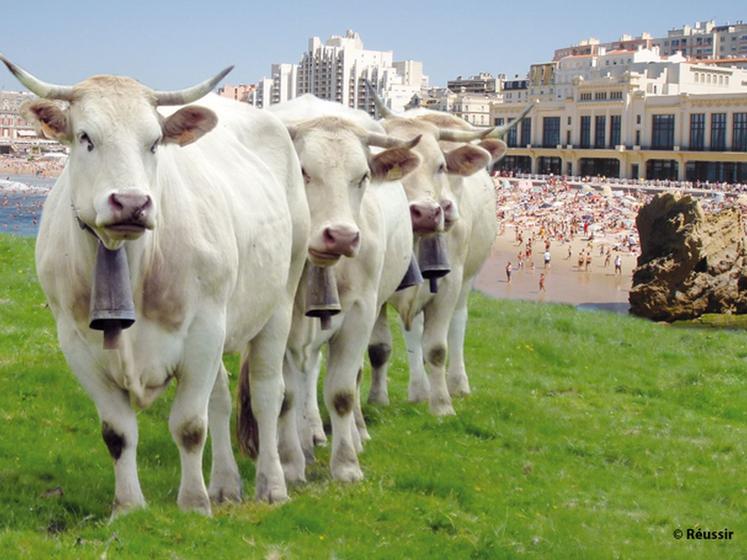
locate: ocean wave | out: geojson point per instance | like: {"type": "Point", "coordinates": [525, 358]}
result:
{"type": "Point", "coordinates": [7, 186]}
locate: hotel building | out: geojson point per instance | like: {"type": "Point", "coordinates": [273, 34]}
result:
{"type": "Point", "coordinates": [630, 114]}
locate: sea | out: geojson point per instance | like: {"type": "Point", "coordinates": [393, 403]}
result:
{"type": "Point", "coordinates": [21, 201]}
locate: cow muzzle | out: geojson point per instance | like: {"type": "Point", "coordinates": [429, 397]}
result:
{"type": "Point", "coordinates": [127, 214]}
{"type": "Point", "coordinates": [426, 217]}
{"type": "Point", "coordinates": [334, 242]}
{"type": "Point", "coordinates": [451, 214]}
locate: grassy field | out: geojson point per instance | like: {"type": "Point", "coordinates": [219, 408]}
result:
{"type": "Point", "coordinates": [589, 435]}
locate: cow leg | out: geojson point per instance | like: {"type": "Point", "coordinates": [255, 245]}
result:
{"type": "Point", "coordinates": [118, 423]}
{"type": "Point", "coordinates": [312, 428]}
{"type": "Point", "coordinates": [437, 315]}
{"type": "Point", "coordinates": [456, 376]}
{"type": "Point", "coordinates": [188, 420]}
{"type": "Point", "coordinates": [225, 480]}
{"type": "Point", "coordinates": [267, 389]}
{"type": "Point", "coordinates": [289, 444]}
{"type": "Point", "coordinates": [418, 388]}
{"type": "Point", "coordinates": [345, 356]}
{"type": "Point", "coordinates": [360, 421]}
{"type": "Point", "coordinates": [379, 350]}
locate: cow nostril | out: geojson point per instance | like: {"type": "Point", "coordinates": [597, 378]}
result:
{"type": "Point", "coordinates": [114, 201]}
{"type": "Point", "coordinates": [356, 239]}
{"type": "Point", "coordinates": [415, 212]}
{"type": "Point", "coordinates": [437, 211]}
{"type": "Point", "coordinates": [329, 238]}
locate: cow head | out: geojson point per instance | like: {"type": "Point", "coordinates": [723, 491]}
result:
{"type": "Point", "coordinates": [114, 133]}
{"type": "Point", "coordinates": [337, 165]}
{"type": "Point", "coordinates": [434, 200]}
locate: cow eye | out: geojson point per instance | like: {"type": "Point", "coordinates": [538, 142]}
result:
{"type": "Point", "coordinates": [366, 177]}
{"type": "Point", "coordinates": [154, 146]}
{"type": "Point", "coordinates": [86, 141]}
{"type": "Point", "coordinates": [441, 168]}
{"type": "Point", "coordinates": [306, 178]}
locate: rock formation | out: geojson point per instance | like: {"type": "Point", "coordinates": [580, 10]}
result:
{"type": "Point", "coordinates": [690, 263]}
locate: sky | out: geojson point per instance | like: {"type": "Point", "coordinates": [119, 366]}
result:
{"type": "Point", "coordinates": [170, 44]}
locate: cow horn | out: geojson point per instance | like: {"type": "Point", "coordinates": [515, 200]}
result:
{"type": "Point", "coordinates": [35, 85]}
{"type": "Point", "coordinates": [384, 111]}
{"type": "Point", "coordinates": [500, 131]}
{"type": "Point", "coordinates": [454, 135]}
{"type": "Point", "coordinates": [190, 94]}
{"type": "Point", "coordinates": [386, 141]}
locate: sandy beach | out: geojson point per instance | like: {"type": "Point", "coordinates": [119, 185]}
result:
{"type": "Point", "coordinates": [565, 282]}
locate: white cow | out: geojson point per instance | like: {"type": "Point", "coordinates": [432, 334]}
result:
{"type": "Point", "coordinates": [358, 213]}
{"type": "Point", "coordinates": [215, 233]}
{"type": "Point", "coordinates": [435, 323]}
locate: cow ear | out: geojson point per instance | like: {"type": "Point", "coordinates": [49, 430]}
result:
{"type": "Point", "coordinates": [393, 164]}
{"type": "Point", "coordinates": [188, 124]}
{"type": "Point", "coordinates": [496, 148]}
{"type": "Point", "coordinates": [50, 120]}
{"type": "Point", "coordinates": [466, 160]}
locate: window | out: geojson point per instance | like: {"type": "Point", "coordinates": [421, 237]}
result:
{"type": "Point", "coordinates": [498, 121]}
{"type": "Point", "coordinates": [697, 131]}
{"type": "Point", "coordinates": [600, 96]}
{"type": "Point", "coordinates": [511, 137]}
{"type": "Point", "coordinates": [569, 121]}
{"type": "Point", "coordinates": [599, 126]}
{"type": "Point", "coordinates": [718, 131]}
{"type": "Point", "coordinates": [662, 132]}
{"type": "Point", "coordinates": [739, 141]}
{"type": "Point", "coordinates": [585, 131]}
{"type": "Point", "coordinates": [638, 119]}
{"type": "Point", "coordinates": [550, 132]}
{"type": "Point", "coordinates": [616, 95]}
{"type": "Point", "coordinates": [585, 96]}
{"type": "Point", "coordinates": [615, 123]}
{"type": "Point", "coordinates": [526, 131]}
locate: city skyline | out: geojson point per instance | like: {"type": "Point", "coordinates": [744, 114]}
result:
{"type": "Point", "coordinates": [177, 44]}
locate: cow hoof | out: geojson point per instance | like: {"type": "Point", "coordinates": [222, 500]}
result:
{"type": "Point", "coordinates": [319, 438]}
{"type": "Point", "coordinates": [120, 508]}
{"type": "Point", "coordinates": [271, 491]}
{"type": "Point", "coordinates": [347, 473]}
{"type": "Point", "coordinates": [442, 409]}
{"type": "Point", "coordinates": [295, 472]}
{"type": "Point", "coordinates": [458, 387]}
{"type": "Point", "coordinates": [418, 393]}
{"type": "Point", "coordinates": [308, 455]}
{"type": "Point", "coordinates": [379, 399]}
{"type": "Point", "coordinates": [197, 502]}
{"type": "Point", "coordinates": [226, 488]}
{"type": "Point", "coordinates": [363, 434]}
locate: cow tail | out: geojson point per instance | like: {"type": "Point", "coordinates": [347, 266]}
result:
{"type": "Point", "coordinates": [247, 430]}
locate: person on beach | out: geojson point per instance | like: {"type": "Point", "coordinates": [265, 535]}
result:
{"type": "Point", "coordinates": [618, 265]}
{"type": "Point", "coordinates": [570, 253]}
{"type": "Point", "coordinates": [588, 261]}
{"type": "Point", "coordinates": [607, 258]}
{"type": "Point", "coordinates": [547, 259]}
{"type": "Point", "coordinates": [509, 269]}
{"type": "Point", "coordinates": [542, 282]}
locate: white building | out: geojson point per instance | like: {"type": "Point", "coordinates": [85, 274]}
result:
{"type": "Point", "coordinates": [706, 40]}
{"type": "Point", "coordinates": [15, 133]}
{"type": "Point", "coordinates": [337, 70]}
{"type": "Point", "coordinates": [634, 114]}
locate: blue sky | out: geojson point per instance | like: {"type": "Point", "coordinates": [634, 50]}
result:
{"type": "Point", "coordinates": [173, 44]}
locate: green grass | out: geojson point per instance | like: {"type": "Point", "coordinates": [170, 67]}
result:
{"type": "Point", "coordinates": [589, 435]}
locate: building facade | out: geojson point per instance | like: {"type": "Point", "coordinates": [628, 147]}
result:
{"type": "Point", "coordinates": [649, 117]}
{"type": "Point", "coordinates": [15, 133]}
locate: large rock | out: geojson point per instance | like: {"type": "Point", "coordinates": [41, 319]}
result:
{"type": "Point", "coordinates": [690, 263]}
